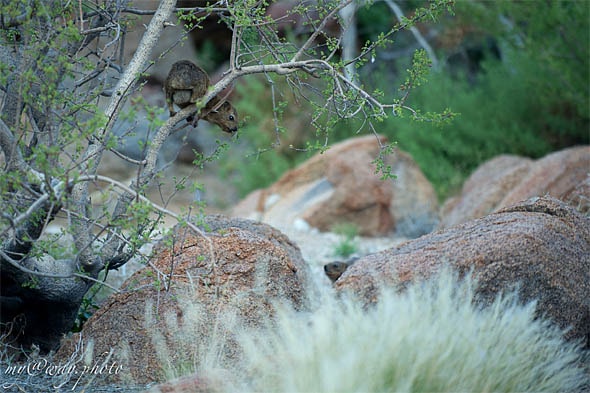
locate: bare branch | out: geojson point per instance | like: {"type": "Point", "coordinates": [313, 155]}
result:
{"type": "Point", "coordinates": [401, 26]}
{"type": "Point", "coordinates": [132, 194]}
{"type": "Point", "coordinates": [128, 159]}
{"type": "Point", "coordinates": [421, 40]}
{"type": "Point", "coordinates": [349, 40]}
{"type": "Point", "coordinates": [319, 29]}
{"type": "Point", "coordinates": [28, 226]}
{"type": "Point", "coordinates": [12, 153]}
{"type": "Point", "coordinates": [136, 195]}
{"type": "Point", "coordinates": [197, 10]}
{"type": "Point", "coordinates": [99, 29]}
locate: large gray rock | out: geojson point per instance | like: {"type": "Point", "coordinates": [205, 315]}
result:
{"type": "Point", "coordinates": [540, 246]}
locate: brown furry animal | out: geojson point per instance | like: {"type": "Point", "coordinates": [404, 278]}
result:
{"type": "Point", "coordinates": [335, 269]}
{"type": "Point", "coordinates": [186, 84]}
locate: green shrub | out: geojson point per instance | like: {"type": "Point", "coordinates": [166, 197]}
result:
{"type": "Point", "coordinates": [535, 100]}
{"type": "Point", "coordinates": [494, 117]}
{"type": "Point", "coordinates": [347, 244]}
{"type": "Point", "coordinates": [506, 111]}
{"type": "Point", "coordinates": [531, 102]}
{"type": "Point", "coordinates": [265, 140]}
{"type": "Point", "coordinates": [547, 48]}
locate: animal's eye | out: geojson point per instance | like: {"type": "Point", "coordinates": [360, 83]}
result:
{"type": "Point", "coordinates": [231, 117]}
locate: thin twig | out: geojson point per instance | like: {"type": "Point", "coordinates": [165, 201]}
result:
{"type": "Point", "coordinates": [137, 195]}
{"type": "Point", "coordinates": [319, 29]}
{"type": "Point", "coordinates": [128, 159]}
{"type": "Point", "coordinates": [142, 198]}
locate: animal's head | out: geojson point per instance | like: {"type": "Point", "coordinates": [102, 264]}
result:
{"type": "Point", "coordinates": [226, 117]}
{"type": "Point", "coordinates": [335, 269]}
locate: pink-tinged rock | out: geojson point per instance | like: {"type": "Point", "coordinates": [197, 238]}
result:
{"type": "Point", "coordinates": [485, 188]}
{"type": "Point", "coordinates": [340, 186]}
{"type": "Point", "coordinates": [540, 246]}
{"type": "Point", "coordinates": [231, 277]}
{"type": "Point", "coordinates": [556, 174]}
{"type": "Point", "coordinates": [506, 180]}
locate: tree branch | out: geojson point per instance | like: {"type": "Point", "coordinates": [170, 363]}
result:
{"type": "Point", "coordinates": [131, 194]}
{"type": "Point", "coordinates": [28, 226]}
{"type": "Point", "coordinates": [12, 154]}
{"type": "Point", "coordinates": [349, 40]}
{"type": "Point", "coordinates": [26, 270]}
{"type": "Point", "coordinates": [319, 29]}
{"type": "Point", "coordinates": [398, 28]}
{"type": "Point", "coordinates": [421, 40]}
{"type": "Point", "coordinates": [82, 236]}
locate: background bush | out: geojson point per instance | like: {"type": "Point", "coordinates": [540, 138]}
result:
{"type": "Point", "coordinates": [522, 88]}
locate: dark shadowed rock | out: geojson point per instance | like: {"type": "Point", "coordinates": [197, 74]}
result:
{"type": "Point", "coordinates": [541, 246]}
{"type": "Point", "coordinates": [230, 278]}
{"type": "Point", "coordinates": [340, 186]}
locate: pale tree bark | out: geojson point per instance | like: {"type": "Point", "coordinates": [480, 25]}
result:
{"type": "Point", "coordinates": [415, 32]}
{"type": "Point", "coordinates": [349, 40]}
{"type": "Point", "coordinates": [42, 292]}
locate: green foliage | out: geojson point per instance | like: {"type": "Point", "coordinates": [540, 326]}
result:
{"type": "Point", "coordinates": [47, 67]}
{"type": "Point", "coordinates": [372, 18]}
{"type": "Point", "coordinates": [494, 119]}
{"type": "Point", "coordinates": [347, 244]}
{"type": "Point", "coordinates": [267, 154]}
{"type": "Point", "coordinates": [525, 105]}
{"type": "Point", "coordinates": [420, 69]}
{"type": "Point", "coordinates": [546, 46]}
{"type": "Point", "coordinates": [87, 308]}
{"type": "Point", "coordinates": [497, 116]}
{"type": "Point", "coordinates": [320, 109]}
{"type": "Point", "coordinates": [532, 101]}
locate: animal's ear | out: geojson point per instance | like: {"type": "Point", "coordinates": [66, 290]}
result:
{"type": "Point", "coordinates": [225, 106]}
